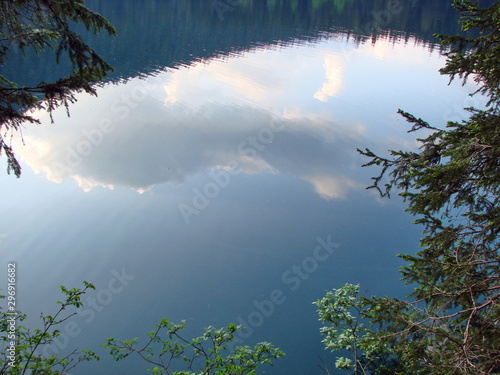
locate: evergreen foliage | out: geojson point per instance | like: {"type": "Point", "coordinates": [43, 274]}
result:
{"type": "Point", "coordinates": [451, 325]}
{"type": "Point", "coordinates": [35, 26]}
{"type": "Point", "coordinates": [476, 55]}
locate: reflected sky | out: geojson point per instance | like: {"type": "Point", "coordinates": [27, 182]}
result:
{"type": "Point", "coordinates": [300, 110]}
{"type": "Point", "coordinates": [269, 138]}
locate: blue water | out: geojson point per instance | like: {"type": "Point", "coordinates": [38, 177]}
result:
{"type": "Point", "coordinates": [200, 188]}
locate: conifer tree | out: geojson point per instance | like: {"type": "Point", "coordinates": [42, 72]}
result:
{"type": "Point", "coordinates": [451, 322]}
{"type": "Point", "coordinates": [36, 26]}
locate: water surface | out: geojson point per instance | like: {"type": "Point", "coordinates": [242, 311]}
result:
{"type": "Point", "coordinates": [221, 153]}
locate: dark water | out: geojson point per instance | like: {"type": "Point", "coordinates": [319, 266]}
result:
{"type": "Point", "coordinates": [217, 168]}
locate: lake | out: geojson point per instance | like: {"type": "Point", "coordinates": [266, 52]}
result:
{"type": "Point", "coordinates": [215, 177]}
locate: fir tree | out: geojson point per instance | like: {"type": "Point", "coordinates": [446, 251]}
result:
{"type": "Point", "coordinates": [38, 25]}
{"type": "Point", "coordinates": [450, 325]}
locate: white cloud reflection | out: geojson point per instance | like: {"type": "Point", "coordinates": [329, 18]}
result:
{"type": "Point", "coordinates": [334, 78]}
{"type": "Point", "coordinates": [329, 187]}
{"type": "Point", "coordinates": [183, 122]}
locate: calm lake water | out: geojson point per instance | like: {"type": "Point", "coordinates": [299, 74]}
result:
{"type": "Point", "coordinates": [217, 168]}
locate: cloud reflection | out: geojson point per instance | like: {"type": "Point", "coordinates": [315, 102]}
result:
{"type": "Point", "coordinates": [334, 78]}
{"type": "Point", "coordinates": [181, 123]}
{"type": "Point", "coordinates": [159, 142]}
